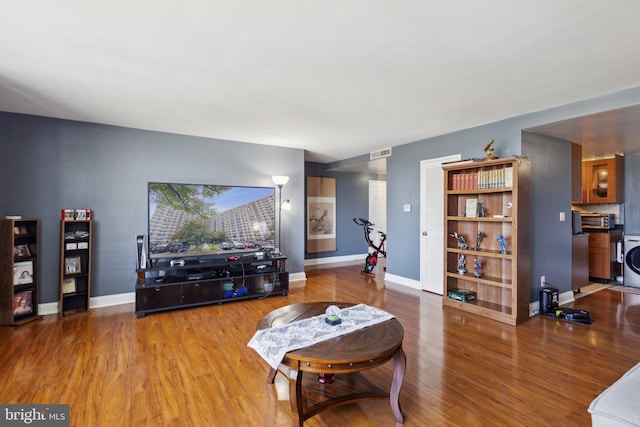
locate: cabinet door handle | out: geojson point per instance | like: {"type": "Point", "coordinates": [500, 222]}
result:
{"type": "Point", "coordinates": [157, 289]}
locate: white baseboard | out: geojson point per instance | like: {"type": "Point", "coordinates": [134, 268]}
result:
{"type": "Point", "coordinates": [126, 298]}
{"type": "Point", "coordinates": [335, 259]}
{"type": "Point", "coordinates": [403, 281]}
{"type": "Point", "coordinates": [294, 277]}
{"type": "Point", "coordinates": [94, 302]}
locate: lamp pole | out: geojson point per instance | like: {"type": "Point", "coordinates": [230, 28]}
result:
{"type": "Point", "coordinates": [280, 181]}
{"type": "Point", "coordinates": [279, 217]}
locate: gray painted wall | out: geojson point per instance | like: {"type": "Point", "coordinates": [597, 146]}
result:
{"type": "Point", "coordinates": [550, 251]}
{"type": "Point", "coordinates": [49, 164]}
{"type": "Point", "coordinates": [632, 194]}
{"type": "Point", "coordinates": [551, 239]}
{"type": "Point", "coordinates": [352, 200]}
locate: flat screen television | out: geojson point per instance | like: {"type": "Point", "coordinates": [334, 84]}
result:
{"type": "Point", "coordinates": [197, 219]}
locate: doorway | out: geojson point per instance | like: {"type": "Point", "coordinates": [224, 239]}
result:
{"type": "Point", "coordinates": [378, 208]}
{"type": "Point", "coordinates": [432, 223]}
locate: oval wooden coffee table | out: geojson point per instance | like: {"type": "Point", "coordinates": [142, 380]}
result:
{"type": "Point", "coordinates": [345, 357]}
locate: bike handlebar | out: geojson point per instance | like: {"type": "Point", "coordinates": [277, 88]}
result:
{"type": "Point", "coordinates": [363, 222]}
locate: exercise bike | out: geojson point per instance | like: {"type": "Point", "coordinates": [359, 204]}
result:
{"type": "Point", "coordinates": [378, 250]}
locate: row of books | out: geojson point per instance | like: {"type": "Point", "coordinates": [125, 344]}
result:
{"type": "Point", "coordinates": [483, 179]}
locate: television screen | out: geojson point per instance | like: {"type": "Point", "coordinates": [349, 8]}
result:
{"type": "Point", "coordinates": [195, 219]}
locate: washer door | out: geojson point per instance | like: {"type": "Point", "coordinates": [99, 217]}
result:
{"type": "Point", "coordinates": [633, 259]}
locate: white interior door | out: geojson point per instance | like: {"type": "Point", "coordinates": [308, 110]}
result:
{"type": "Point", "coordinates": [432, 223]}
{"type": "Point", "coordinates": [378, 208]}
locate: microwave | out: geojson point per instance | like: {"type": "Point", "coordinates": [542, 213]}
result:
{"type": "Point", "coordinates": [595, 220]}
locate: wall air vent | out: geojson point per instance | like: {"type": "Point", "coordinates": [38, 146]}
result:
{"type": "Point", "coordinates": [386, 152]}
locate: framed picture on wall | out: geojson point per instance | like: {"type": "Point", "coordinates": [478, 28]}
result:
{"type": "Point", "coordinates": [321, 214]}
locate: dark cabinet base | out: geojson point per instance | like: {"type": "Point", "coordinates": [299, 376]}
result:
{"type": "Point", "coordinates": [161, 288]}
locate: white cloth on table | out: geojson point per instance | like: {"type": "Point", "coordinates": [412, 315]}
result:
{"type": "Point", "coordinates": [272, 344]}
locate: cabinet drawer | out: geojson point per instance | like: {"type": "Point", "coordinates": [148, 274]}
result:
{"type": "Point", "coordinates": [155, 297]}
{"type": "Point", "coordinates": [193, 293]}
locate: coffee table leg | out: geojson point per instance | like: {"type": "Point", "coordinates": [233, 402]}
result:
{"type": "Point", "coordinates": [299, 403]}
{"type": "Point", "coordinates": [271, 376]}
{"type": "Point", "coordinates": [399, 366]}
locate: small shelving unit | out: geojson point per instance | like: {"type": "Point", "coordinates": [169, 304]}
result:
{"type": "Point", "coordinates": [19, 250]}
{"type": "Point", "coordinates": [75, 266]}
{"type": "Point", "coordinates": [501, 187]}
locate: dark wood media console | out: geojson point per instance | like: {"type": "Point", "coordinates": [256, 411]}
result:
{"type": "Point", "coordinates": [174, 281]}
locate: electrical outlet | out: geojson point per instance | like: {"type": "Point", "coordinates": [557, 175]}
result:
{"type": "Point", "coordinates": [543, 281]}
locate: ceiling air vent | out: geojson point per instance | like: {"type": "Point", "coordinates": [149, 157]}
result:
{"type": "Point", "coordinates": [386, 152]}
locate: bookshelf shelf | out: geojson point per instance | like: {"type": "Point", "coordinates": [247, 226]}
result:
{"type": "Point", "coordinates": [486, 237]}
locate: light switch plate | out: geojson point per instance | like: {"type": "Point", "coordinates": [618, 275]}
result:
{"type": "Point", "coordinates": [407, 207]}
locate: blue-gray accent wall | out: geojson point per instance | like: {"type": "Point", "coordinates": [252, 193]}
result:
{"type": "Point", "coordinates": [632, 194]}
{"type": "Point", "coordinates": [551, 239]}
{"type": "Point", "coordinates": [551, 186]}
{"type": "Point", "coordinates": [352, 201]}
{"type": "Point", "coordinates": [50, 164]}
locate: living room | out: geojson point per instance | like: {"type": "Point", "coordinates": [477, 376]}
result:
{"type": "Point", "coordinates": [66, 159]}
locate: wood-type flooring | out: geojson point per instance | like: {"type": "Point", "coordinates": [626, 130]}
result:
{"type": "Point", "coordinates": [192, 367]}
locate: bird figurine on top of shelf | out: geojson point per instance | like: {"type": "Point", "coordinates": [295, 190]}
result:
{"type": "Point", "coordinates": [490, 151]}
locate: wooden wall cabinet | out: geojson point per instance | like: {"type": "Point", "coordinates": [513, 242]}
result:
{"type": "Point", "coordinates": [174, 282]}
{"type": "Point", "coordinates": [602, 254]}
{"type": "Point", "coordinates": [75, 266]}
{"type": "Point", "coordinates": [603, 180]}
{"type": "Point", "coordinates": [19, 250]}
{"type": "Point", "coordinates": [502, 186]}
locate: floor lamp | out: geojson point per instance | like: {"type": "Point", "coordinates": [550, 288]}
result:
{"type": "Point", "coordinates": [280, 181]}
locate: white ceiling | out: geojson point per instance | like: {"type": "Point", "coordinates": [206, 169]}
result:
{"type": "Point", "coordinates": [337, 79]}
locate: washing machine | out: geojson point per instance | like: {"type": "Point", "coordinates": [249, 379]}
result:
{"type": "Point", "coordinates": [632, 261]}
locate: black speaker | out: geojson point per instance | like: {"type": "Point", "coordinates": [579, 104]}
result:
{"type": "Point", "coordinates": [548, 299]}
{"type": "Point", "coordinates": [141, 245]}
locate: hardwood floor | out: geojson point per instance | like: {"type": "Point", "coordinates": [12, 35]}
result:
{"type": "Point", "coordinates": [193, 367]}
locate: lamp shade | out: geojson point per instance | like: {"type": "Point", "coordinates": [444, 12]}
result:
{"type": "Point", "coordinates": [280, 180]}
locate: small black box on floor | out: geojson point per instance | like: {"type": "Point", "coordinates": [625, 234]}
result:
{"type": "Point", "coordinates": [548, 300]}
{"type": "Point", "coordinates": [463, 295]}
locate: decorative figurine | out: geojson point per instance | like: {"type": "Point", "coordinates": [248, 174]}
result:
{"type": "Point", "coordinates": [503, 247]}
{"type": "Point", "coordinates": [489, 151]}
{"type": "Point", "coordinates": [476, 268]}
{"type": "Point", "coordinates": [479, 238]}
{"type": "Point", "coordinates": [462, 262]}
{"type": "Point", "coordinates": [332, 315]}
{"type": "Point", "coordinates": [462, 244]}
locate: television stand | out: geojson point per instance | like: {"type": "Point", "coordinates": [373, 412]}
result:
{"type": "Point", "coordinates": [173, 282]}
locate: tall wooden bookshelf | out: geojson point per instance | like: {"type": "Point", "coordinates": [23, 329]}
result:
{"type": "Point", "coordinates": [19, 250]}
{"type": "Point", "coordinates": [486, 203]}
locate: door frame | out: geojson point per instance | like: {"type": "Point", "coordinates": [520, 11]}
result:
{"type": "Point", "coordinates": [433, 191]}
